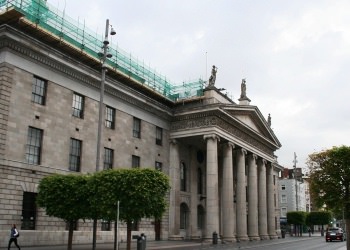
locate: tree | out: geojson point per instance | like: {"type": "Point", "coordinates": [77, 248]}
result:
{"type": "Point", "coordinates": [297, 218]}
{"type": "Point", "coordinates": [64, 196]}
{"type": "Point", "coordinates": [318, 218]}
{"type": "Point", "coordinates": [141, 193]}
{"type": "Point", "coordinates": [330, 180]}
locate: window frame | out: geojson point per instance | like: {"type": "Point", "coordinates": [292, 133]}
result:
{"type": "Point", "coordinates": [108, 158]}
{"type": "Point", "coordinates": [183, 177]}
{"type": "Point", "coordinates": [135, 161]}
{"type": "Point", "coordinates": [136, 132]}
{"type": "Point", "coordinates": [34, 145]}
{"type": "Point", "coordinates": [159, 136]}
{"type": "Point", "coordinates": [110, 117]}
{"type": "Point", "coordinates": [39, 90]}
{"type": "Point", "coordinates": [29, 211]}
{"type": "Point", "coordinates": [75, 155]}
{"type": "Point", "coordinates": [78, 105]}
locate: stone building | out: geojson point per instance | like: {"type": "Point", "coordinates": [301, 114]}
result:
{"type": "Point", "coordinates": [219, 154]}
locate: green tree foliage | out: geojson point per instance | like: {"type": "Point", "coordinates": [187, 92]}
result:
{"type": "Point", "coordinates": [297, 218]}
{"type": "Point", "coordinates": [330, 180]}
{"type": "Point", "coordinates": [318, 218]}
{"type": "Point", "coordinates": [64, 196]}
{"type": "Point", "coordinates": [141, 193]}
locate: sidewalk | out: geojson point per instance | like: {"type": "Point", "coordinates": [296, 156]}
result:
{"type": "Point", "coordinates": [165, 244]}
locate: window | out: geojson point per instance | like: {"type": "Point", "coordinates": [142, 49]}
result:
{"type": "Point", "coordinates": [105, 225]}
{"type": "Point", "coordinates": [284, 198]}
{"type": "Point", "coordinates": [283, 187]}
{"type": "Point", "coordinates": [28, 211]}
{"type": "Point", "coordinates": [159, 136]}
{"type": "Point", "coordinates": [33, 150]}
{"type": "Point", "coordinates": [183, 216]}
{"type": "Point", "coordinates": [199, 181]}
{"type": "Point", "coordinates": [110, 117]}
{"type": "Point", "coordinates": [283, 212]}
{"type": "Point", "coordinates": [200, 217]}
{"type": "Point", "coordinates": [108, 159]}
{"type": "Point", "coordinates": [137, 128]}
{"type": "Point", "coordinates": [158, 166]}
{"type": "Point", "coordinates": [78, 105]}
{"type": "Point", "coordinates": [135, 161]}
{"type": "Point", "coordinates": [75, 155]}
{"type": "Point", "coordinates": [39, 90]}
{"type": "Point", "coordinates": [183, 177]}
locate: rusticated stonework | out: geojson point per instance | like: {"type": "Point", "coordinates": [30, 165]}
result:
{"type": "Point", "coordinates": [81, 77]}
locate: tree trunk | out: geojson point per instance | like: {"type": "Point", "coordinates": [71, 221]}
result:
{"type": "Point", "coordinates": [128, 235]}
{"type": "Point", "coordinates": [70, 235]}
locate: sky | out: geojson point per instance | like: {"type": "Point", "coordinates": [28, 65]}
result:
{"type": "Point", "coordinates": [294, 55]}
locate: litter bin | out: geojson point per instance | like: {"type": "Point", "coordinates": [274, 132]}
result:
{"type": "Point", "coordinates": [141, 242]}
{"type": "Point", "coordinates": [215, 238]}
{"type": "Point", "coordinates": [283, 233]}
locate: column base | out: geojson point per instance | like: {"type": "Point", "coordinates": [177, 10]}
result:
{"type": "Point", "coordinates": [242, 238]}
{"type": "Point", "coordinates": [229, 239]}
{"type": "Point", "coordinates": [273, 236]}
{"type": "Point", "coordinates": [264, 237]}
{"type": "Point", "coordinates": [252, 238]}
{"type": "Point", "coordinates": [176, 237]}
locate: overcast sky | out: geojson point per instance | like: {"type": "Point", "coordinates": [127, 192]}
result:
{"type": "Point", "coordinates": [295, 56]}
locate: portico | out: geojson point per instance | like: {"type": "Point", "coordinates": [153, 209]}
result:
{"type": "Point", "coordinates": [239, 169]}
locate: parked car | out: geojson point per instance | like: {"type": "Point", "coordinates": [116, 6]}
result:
{"type": "Point", "coordinates": [335, 233]}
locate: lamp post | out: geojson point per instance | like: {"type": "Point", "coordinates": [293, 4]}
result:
{"type": "Point", "coordinates": [103, 56]}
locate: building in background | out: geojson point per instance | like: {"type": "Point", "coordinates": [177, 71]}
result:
{"type": "Point", "coordinates": [219, 155]}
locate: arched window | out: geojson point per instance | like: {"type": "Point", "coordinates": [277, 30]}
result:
{"type": "Point", "coordinates": [183, 178]}
{"type": "Point", "coordinates": [183, 216]}
{"type": "Point", "coordinates": [199, 181]}
{"type": "Point", "coordinates": [200, 217]}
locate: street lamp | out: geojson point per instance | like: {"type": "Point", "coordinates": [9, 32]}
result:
{"type": "Point", "coordinates": [104, 54]}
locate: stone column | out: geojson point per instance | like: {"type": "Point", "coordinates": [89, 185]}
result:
{"type": "Point", "coordinates": [241, 205]}
{"type": "Point", "coordinates": [212, 202]}
{"type": "Point", "coordinates": [253, 231]}
{"type": "Point", "coordinates": [194, 193]}
{"type": "Point", "coordinates": [262, 200]}
{"type": "Point", "coordinates": [227, 193]}
{"type": "Point", "coordinates": [270, 203]}
{"type": "Point", "coordinates": [174, 172]}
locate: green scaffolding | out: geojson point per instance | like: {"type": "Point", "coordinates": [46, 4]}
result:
{"type": "Point", "coordinates": [75, 33]}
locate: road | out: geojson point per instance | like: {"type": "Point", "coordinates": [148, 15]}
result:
{"type": "Point", "coordinates": [290, 243]}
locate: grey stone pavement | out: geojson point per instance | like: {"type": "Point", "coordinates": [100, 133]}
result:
{"type": "Point", "coordinates": [166, 245]}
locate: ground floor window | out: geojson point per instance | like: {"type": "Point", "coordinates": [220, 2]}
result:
{"type": "Point", "coordinates": [184, 216]}
{"type": "Point", "coordinates": [28, 211]}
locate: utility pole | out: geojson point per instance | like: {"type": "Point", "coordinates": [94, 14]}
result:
{"type": "Point", "coordinates": [296, 180]}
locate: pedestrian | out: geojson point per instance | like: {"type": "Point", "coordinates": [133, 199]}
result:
{"type": "Point", "coordinates": [13, 237]}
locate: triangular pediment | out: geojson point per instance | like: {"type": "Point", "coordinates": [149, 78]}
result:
{"type": "Point", "coordinates": [251, 118]}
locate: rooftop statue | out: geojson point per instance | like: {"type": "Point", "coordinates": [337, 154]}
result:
{"type": "Point", "coordinates": [213, 76]}
{"type": "Point", "coordinates": [243, 89]}
{"type": "Point", "coordinates": [269, 120]}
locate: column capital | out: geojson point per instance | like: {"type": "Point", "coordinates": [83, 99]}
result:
{"type": "Point", "coordinates": [229, 144]}
{"type": "Point", "coordinates": [211, 137]}
{"type": "Point", "coordinates": [242, 151]}
{"type": "Point", "coordinates": [173, 141]}
{"type": "Point", "coordinates": [254, 156]}
{"type": "Point", "coordinates": [262, 161]}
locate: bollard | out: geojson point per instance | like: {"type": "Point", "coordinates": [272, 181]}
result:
{"type": "Point", "coordinates": [215, 238]}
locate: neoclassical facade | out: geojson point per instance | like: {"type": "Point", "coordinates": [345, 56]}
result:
{"type": "Point", "coordinates": [219, 154]}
